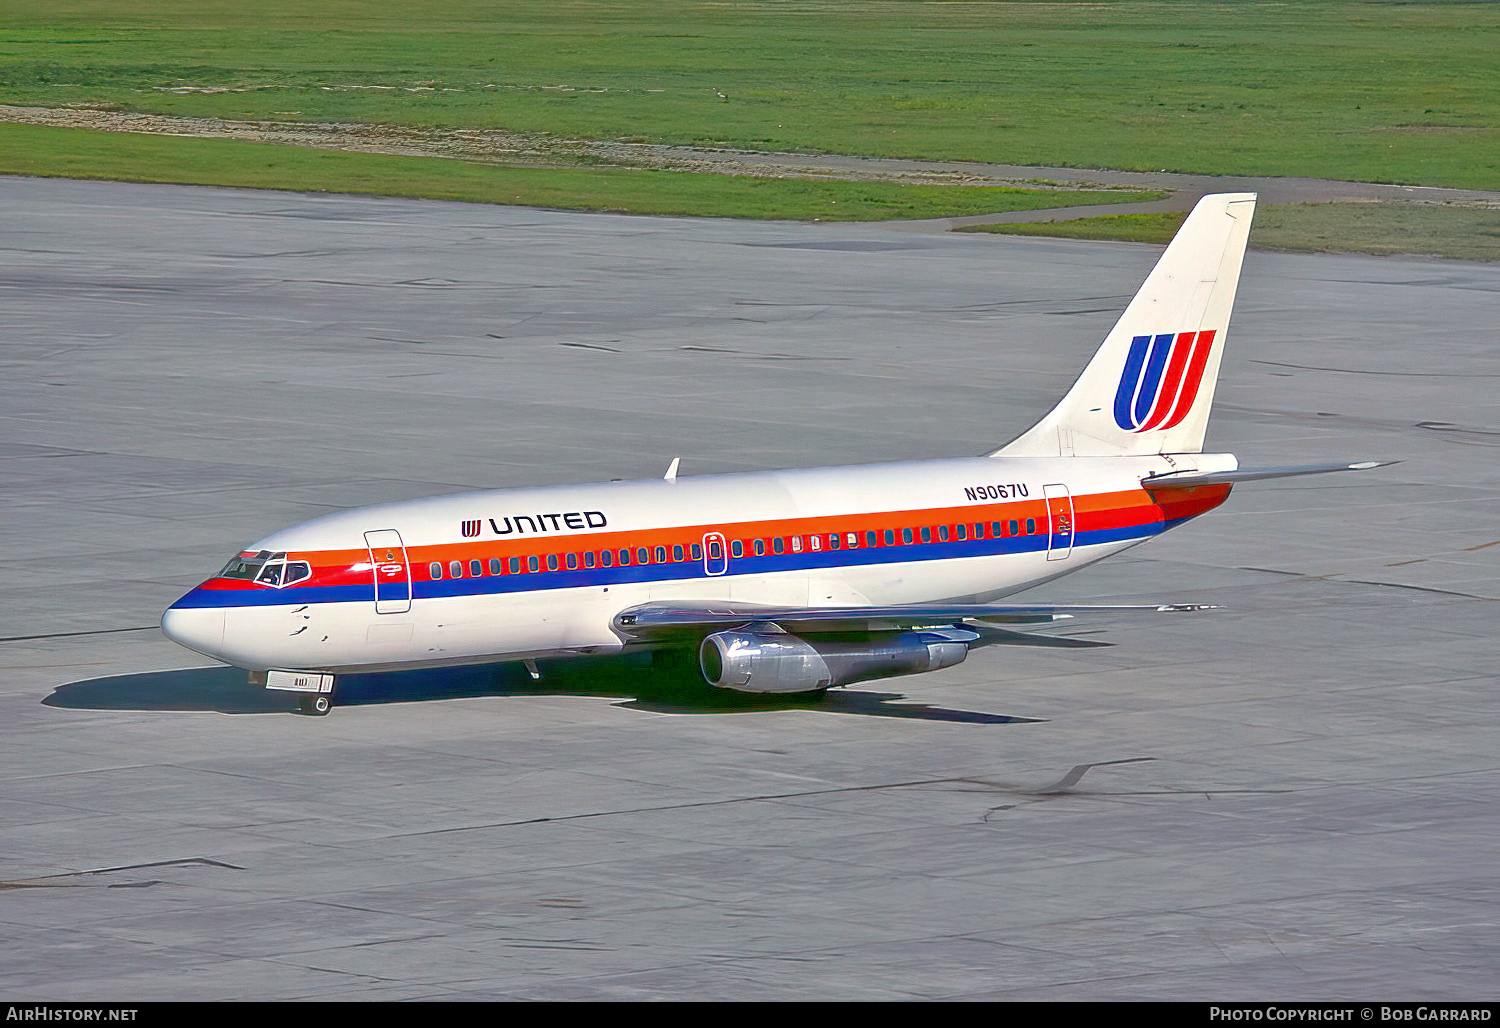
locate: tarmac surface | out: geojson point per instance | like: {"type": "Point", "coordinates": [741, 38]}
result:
{"type": "Point", "coordinates": [1295, 797]}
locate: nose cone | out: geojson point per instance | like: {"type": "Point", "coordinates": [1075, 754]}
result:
{"type": "Point", "coordinates": [197, 628]}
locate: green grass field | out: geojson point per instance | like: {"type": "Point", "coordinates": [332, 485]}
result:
{"type": "Point", "coordinates": [1375, 228]}
{"type": "Point", "coordinates": [139, 157]}
{"type": "Point", "coordinates": [1403, 92]}
{"type": "Point", "coordinates": [1344, 89]}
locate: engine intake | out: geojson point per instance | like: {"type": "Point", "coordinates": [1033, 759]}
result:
{"type": "Point", "coordinates": [765, 658]}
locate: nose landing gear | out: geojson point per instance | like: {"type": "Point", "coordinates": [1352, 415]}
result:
{"type": "Point", "coordinates": [315, 688]}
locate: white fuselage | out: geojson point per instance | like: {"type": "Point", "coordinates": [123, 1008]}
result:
{"type": "Point", "coordinates": [512, 574]}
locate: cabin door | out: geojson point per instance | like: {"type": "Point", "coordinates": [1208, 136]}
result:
{"type": "Point", "coordinates": [1059, 521]}
{"type": "Point", "coordinates": [392, 572]}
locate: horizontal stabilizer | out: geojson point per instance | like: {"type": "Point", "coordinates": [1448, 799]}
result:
{"type": "Point", "coordinates": [661, 618]}
{"type": "Point", "coordinates": [1192, 479]}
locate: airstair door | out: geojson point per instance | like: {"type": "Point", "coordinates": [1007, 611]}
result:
{"type": "Point", "coordinates": [392, 572]}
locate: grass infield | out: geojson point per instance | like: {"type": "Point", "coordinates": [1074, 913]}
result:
{"type": "Point", "coordinates": [139, 157]}
{"type": "Point", "coordinates": [1341, 89]}
{"type": "Point", "coordinates": [1376, 228]}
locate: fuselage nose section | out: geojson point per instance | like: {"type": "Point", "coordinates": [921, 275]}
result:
{"type": "Point", "coordinates": [197, 628]}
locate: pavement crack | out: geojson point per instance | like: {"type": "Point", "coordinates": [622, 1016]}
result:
{"type": "Point", "coordinates": [68, 635]}
{"type": "Point", "coordinates": [66, 879]}
{"type": "Point", "coordinates": [1371, 371]}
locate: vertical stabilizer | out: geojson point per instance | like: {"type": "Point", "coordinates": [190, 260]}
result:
{"type": "Point", "coordinates": [1150, 386]}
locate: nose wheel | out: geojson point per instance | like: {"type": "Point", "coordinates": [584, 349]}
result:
{"type": "Point", "coordinates": [316, 706]}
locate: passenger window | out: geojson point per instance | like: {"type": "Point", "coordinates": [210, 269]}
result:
{"type": "Point", "coordinates": [869, 538]}
{"type": "Point", "coordinates": [890, 537]}
{"type": "Point", "coordinates": [533, 565]}
{"type": "Point", "coordinates": [760, 547]}
{"type": "Point", "coordinates": [853, 540]}
{"type": "Point", "coordinates": [906, 536]}
{"type": "Point", "coordinates": [496, 568]}
{"type": "Point", "coordinates": [515, 565]}
{"type": "Point", "coordinates": [796, 544]}
{"type": "Point", "coordinates": [778, 545]}
{"type": "Point", "coordinates": [816, 542]}
{"type": "Point", "coordinates": [476, 569]}
{"type": "Point", "coordinates": [833, 540]}
{"type": "Point", "coordinates": [551, 562]}
{"type": "Point", "coordinates": [1014, 528]}
{"type": "Point", "coordinates": [624, 558]}
{"type": "Point", "coordinates": [997, 530]}
{"type": "Point", "coordinates": [435, 571]}
{"type": "Point", "coordinates": [572, 562]}
{"type": "Point", "coordinates": [697, 552]}
{"type": "Point", "coordinates": [455, 569]}
{"type": "Point", "coordinates": [588, 559]}
{"type": "Point", "coordinates": [737, 548]}
{"type": "Point", "coordinates": [642, 556]}
{"type": "Point", "coordinates": [606, 559]}
{"type": "Point", "coordinates": [979, 530]}
{"type": "Point", "coordinates": [962, 532]}
{"type": "Point", "coordinates": [677, 554]}
{"type": "Point", "coordinates": [1031, 526]}
{"type": "Point", "coordinates": [927, 534]}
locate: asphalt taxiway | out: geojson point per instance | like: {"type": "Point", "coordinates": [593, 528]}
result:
{"type": "Point", "coordinates": [1293, 797]}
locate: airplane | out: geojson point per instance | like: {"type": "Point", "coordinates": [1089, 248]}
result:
{"type": "Point", "coordinates": [790, 581]}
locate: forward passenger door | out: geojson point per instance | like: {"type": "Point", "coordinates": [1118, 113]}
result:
{"type": "Point", "coordinates": [391, 569]}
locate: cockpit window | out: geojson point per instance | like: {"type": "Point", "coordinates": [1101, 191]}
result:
{"type": "Point", "coordinates": [246, 565]}
{"type": "Point", "coordinates": [266, 568]}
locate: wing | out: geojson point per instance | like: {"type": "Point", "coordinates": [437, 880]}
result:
{"type": "Point", "coordinates": [649, 620]}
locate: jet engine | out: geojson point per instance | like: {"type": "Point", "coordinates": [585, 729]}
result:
{"type": "Point", "coordinates": [764, 658]}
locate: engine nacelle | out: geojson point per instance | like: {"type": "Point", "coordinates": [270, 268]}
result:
{"type": "Point", "coordinates": [766, 659]}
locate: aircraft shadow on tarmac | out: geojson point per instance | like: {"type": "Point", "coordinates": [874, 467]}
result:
{"type": "Point", "coordinates": [673, 686]}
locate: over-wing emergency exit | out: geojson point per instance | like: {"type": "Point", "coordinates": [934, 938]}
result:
{"type": "Point", "coordinates": [782, 581]}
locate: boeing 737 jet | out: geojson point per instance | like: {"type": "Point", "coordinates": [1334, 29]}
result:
{"type": "Point", "coordinates": [783, 581]}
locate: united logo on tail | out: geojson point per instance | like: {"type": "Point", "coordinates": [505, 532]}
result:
{"type": "Point", "coordinates": [1161, 379]}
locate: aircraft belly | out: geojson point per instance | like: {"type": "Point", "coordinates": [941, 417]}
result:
{"type": "Point", "coordinates": [518, 624]}
{"type": "Point", "coordinates": [342, 636]}
{"type": "Point", "coordinates": [968, 579]}
{"type": "Point", "coordinates": [789, 589]}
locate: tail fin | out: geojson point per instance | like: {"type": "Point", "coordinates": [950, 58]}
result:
{"type": "Point", "coordinates": [1150, 386]}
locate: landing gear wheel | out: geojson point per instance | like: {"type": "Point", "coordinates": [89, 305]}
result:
{"type": "Point", "coordinates": [317, 706]}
